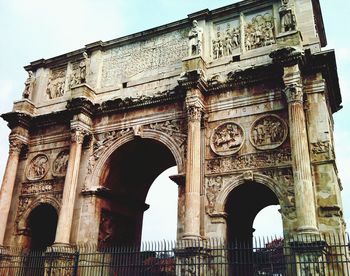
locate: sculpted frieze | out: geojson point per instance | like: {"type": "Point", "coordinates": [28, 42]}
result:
{"type": "Point", "coordinates": [47, 186]}
{"type": "Point", "coordinates": [129, 60]}
{"type": "Point", "coordinates": [227, 139]}
{"type": "Point", "coordinates": [38, 167]}
{"type": "Point", "coordinates": [249, 161]}
{"type": "Point", "coordinates": [259, 31]}
{"type": "Point", "coordinates": [227, 39]}
{"type": "Point", "coordinates": [268, 132]}
{"type": "Point", "coordinates": [56, 83]}
{"type": "Point", "coordinates": [60, 164]}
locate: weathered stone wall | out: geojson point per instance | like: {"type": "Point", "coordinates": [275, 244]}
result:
{"type": "Point", "coordinates": [221, 95]}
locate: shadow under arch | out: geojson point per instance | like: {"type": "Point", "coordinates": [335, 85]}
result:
{"type": "Point", "coordinates": [156, 135]}
{"type": "Point", "coordinates": [245, 178]}
{"type": "Point", "coordinates": [39, 222]}
{"type": "Point", "coordinates": [126, 171]}
{"type": "Point", "coordinates": [240, 201]}
{"type": "Point", "coordinates": [22, 224]}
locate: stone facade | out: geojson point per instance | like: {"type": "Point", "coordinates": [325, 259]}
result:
{"type": "Point", "coordinates": [231, 96]}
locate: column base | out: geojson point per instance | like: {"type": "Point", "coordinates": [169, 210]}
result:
{"type": "Point", "coordinates": [189, 236]}
{"type": "Point", "coordinates": [308, 230]}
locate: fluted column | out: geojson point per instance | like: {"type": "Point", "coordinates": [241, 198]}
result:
{"type": "Point", "coordinates": [303, 187]}
{"type": "Point", "coordinates": [8, 183]}
{"type": "Point", "coordinates": [193, 169]}
{"type": "Point", "coordinates": [65, 219]}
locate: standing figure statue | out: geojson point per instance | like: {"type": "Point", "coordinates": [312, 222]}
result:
{"type": "Point", "coordinates": [288, 21]}
{"type": "Point", "coordinates": [83, 68]}
{"type": "Point", "coordinates": [29, 85]}
{"type": "Point", "coordinates": [195, 39]}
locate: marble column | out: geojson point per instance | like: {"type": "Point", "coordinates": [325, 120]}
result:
{"type": "Point", "coordinates": [193, 171]}
{"type": "Point", "coordinates": [65, 219]}
{"type": "Point", "coordinates": [8, 183]}
{"type": "Point", "coordinates": [303, 186]}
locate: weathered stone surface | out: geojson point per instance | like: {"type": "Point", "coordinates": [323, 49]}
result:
{"type": "Point", "coordinates": [235, 98]}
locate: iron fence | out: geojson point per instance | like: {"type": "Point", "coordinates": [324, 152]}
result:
{"type": "Point", "coordinates": [306, 255]}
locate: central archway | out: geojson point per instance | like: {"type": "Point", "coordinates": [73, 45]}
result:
{"type": "Point", "coordinates": [127, 177]}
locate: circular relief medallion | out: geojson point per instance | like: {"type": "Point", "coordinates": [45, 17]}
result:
{"type": "Point", "coordinates": [268, 132]}
{"type": "Point", "coordinates": [60, 164]}
{"type": "Point", "coordinates": [227, 139]}
{"type": "Point", "coordinates": [38, 167]}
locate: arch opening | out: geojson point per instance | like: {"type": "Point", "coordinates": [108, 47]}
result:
{"type": "Point", "coordinates": [42, 224]}
{"type": "Point", "coordinates": [127, 178]}
{"type": "Point", "coordinates": [242, 206]}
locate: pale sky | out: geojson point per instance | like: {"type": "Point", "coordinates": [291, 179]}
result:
{"type": "Point", "coordinates": [30, 30]}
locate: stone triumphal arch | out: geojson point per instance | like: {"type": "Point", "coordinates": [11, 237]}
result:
{"type": "Point", "coordinates": [239, 98]}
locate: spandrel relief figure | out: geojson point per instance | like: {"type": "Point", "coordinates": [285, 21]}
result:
{"type": "Point", "coordinates": [29, 85]}
{"type": "Point", "coordinates": [213, 187]}
{"type": "Point", "coordinates": [195, 39]}
{"type": "Point", "coordinates": [288, 20]}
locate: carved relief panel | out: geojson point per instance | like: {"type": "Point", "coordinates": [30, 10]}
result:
{"type": "Point", "coordinates": [226, 38]}
{"type": "Point", "coordinates": [259, 30]}
{"type": "Point", "coordinates": [56, 83]}
{"type": "Point", "coordinates": [227, 139]}
{"type": "Point", "coordinates": [268, 132]}
{"type": "Point", "coordinates": [60, 163]}
{"type": "Point", "coordinates": [38, 167]}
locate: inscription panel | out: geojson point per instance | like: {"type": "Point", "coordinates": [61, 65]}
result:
{"type": "Point", "coordinates": [127, 61]}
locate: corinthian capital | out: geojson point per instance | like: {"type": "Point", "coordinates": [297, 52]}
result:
{"type": "Point", "coordinates": [194, 113]}
{"type": "Point", "coordinates": [294, 93]}
{"type": "Point", "coordinates": [78, 136]}
{"type": "Point", "coordinates": [15, 146]}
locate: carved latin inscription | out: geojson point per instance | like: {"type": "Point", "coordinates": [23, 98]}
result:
{"type": "Point", "coordinates": [268, 132]}
{"type": "Point", "coordinates": [227, 139]}
{"type": "Point", "coordinates": [38, 167]}
{"type": "Point", "coordinates": [128, 61]}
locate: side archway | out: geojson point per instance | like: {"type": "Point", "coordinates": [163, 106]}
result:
{"type": "Point", "coordinates": [39, 236]}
